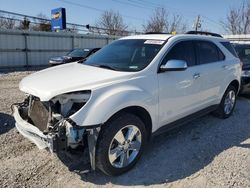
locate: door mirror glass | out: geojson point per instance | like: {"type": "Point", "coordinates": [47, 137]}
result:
{"type": "Point", "coordinates": [174, 65]}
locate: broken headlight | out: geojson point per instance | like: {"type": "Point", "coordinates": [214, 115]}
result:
{"type": "Point", "coordinates": [69, 103]}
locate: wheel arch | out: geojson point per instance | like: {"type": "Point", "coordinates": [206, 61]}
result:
{"type": "Point", "coordinates": [140, 112]}
{"type": "Point", "coordinates": [236, 84]}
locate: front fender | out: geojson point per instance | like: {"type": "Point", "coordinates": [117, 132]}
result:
{"type": "Point", "coordinates": [105, 102]}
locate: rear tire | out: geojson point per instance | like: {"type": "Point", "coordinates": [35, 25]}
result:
{"type": "Point", "coordinates": [227, 104]}
{"type": "Point", "coordinates": [120, 144]}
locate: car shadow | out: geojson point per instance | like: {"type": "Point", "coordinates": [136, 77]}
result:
{"type": "Point", "coordinates": [177, 154]}
{"type": "Point", "coordinates": [7, 122]}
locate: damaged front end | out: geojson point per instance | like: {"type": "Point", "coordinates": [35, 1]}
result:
{"type": "Point", "coordinates": [48, 124]}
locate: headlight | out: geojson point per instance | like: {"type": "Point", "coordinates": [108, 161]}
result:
{"type": "Point", "coordinates": [69, 103]}
{"type": "Point", "coordinates": [245, 73]}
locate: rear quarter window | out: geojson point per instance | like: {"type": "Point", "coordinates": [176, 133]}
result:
{"type": "Point", "coordinates": [230, 48]}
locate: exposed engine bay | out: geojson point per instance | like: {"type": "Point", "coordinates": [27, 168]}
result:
{"type": "Point", "coordinates": [52, 117]}
{"type": "Point", "coordinates": [48, 124]}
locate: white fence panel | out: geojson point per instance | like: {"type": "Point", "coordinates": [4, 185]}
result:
{"type": "Point", "coordinates": [29, 48]}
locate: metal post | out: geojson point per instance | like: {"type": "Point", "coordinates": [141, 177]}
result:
{"type": "Point", "coordinates": [73, 41]}
{"type": "Point", "coordinates": [26, 50]}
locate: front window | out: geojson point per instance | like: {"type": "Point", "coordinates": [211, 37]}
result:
{"type": "Point", "coordinates": [126, 55]}
{"type": "Point", "coordinates": [78, 53]}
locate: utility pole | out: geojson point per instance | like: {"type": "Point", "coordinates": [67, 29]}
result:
{"type": "Point", "coordinates": [197, 24]}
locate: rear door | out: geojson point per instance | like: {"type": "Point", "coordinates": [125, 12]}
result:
{"type": "Point", "coordinates": [212, 71]}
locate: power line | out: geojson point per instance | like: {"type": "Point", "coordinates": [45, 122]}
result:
{"type": "Point", "coordinates": [96, 9]}
{"type": "Point", "coordinates": [131, 4]}
{"type": "Point", "coordinates": [90, 28]}
{"type": "Point", "coordinates": [154, 5]}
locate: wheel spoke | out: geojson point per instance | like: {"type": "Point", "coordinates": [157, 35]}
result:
{"type": "Point", "coordinates": [229, 102]}
{"type": "Point", "coordinates": [135, 145]}
{"type": "Point", "coordinates": [114, 154]}
{"type": "Point", "coordinates": [124, 159]}
{"type": "Point", "coordinates": [131, 133]}
{"type": "Point", "coordinates": [230, 95]}
{"type": "Point", "coordinates": [119, 137]}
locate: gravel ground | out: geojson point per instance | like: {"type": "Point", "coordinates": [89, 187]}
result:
{"type": "Point", "coordinates": [208, 152]}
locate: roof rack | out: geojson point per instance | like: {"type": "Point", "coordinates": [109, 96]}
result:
{"type": "Point", "coordinates": [147, 33]}
{"type": "Point", "coordinates": [204, 33]}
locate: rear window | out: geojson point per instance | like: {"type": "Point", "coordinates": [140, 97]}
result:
{"type": "Point", "coordinates": [208, 52]}
{"type": "Point", "coordinates": [230, 48]}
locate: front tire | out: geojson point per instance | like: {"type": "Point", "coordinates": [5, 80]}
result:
{"type": "Point", "coordinates": [227, 104]}
{"type": "Point", "coordinates": [120, 144]}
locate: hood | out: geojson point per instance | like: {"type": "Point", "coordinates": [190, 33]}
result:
{"type": "Point", "coordinates": [54, 81]}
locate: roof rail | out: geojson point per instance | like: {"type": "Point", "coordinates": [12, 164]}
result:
{"type": "Point", "coordinates": [147, 33]}
{"type": "Point", "coordinates": [204, 33]}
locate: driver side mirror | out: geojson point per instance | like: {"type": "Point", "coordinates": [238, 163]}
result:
{"type": "Point", "coordinates": [174, 65]}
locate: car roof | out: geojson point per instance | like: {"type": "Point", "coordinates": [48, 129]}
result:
{"type": "Point", "coordinates": [179, 36]}
{"type": "Point", "coordinates": [149, 37]}
{"type": "Point", "coordinates": [85, 48]}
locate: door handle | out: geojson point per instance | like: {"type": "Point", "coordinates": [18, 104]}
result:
{"type": "Point", "coordinates": [196, 76]}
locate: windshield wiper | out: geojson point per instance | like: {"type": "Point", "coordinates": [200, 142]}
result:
{"type": "Point", "coordinates": [105, 67]}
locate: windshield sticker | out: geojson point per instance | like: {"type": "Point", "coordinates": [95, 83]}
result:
{"type": "Point", "coordinates": [133, 67]}
{"type": "Point", "coordinates": [158, 42]}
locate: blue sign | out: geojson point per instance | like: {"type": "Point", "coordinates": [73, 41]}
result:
{"type": "Point", "coordinates": [58, 19]}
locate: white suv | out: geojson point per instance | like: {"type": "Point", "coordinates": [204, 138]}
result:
{"type": "Point", "coordinates": [127, 92]}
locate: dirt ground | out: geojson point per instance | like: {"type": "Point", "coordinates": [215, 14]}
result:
{"type": "Point", "coordinates": [208, 152]}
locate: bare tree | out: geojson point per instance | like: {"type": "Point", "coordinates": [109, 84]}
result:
{"type": "Point", "coordinates": [111, 23]}
{"type": "Point", "coordinates": [238, 20]}
{"type": "Point", "coordinates": [160, 21]}
{"type": "Point", "coordinates": [25, 24]}
{"type": "Point", "coordinates": [176, 24]}
{"type": "Point", "coordinates": [42, 24]}
{"type": "Point", "coordinates": [7, 22]}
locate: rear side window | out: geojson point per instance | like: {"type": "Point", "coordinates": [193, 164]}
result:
{"type": "Point", "coordinates": [182, 51]}
{"type": "Point", "coordinates": [230, 48]}
{"type": "Point", "coordinates": [208, 52]}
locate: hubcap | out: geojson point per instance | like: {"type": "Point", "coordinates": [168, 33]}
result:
{"type": "Point", "coordinates": [125, 146]}
{"type": "Point", "coordinates": [229, 102]}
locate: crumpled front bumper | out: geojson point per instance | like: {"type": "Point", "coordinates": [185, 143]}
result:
{"type": "Point", "coordinates": [53, 141]}
{"type": "Point", "coordinates": [31, 132]}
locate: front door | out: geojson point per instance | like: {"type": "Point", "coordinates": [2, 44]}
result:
{"type": "Point", "coordinates": [179, 91]}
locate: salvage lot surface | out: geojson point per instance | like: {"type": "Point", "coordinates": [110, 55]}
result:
{"type": "Point", "coordinates": [208, 152]}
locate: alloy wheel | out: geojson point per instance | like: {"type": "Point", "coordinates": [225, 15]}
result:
{"type": "Point", "coordinates": [125, 146]}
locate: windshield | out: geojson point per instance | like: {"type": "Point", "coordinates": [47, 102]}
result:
{"type": "Point", "coordinates": [78, 53]}
{"type": "Point", "coordinates": [243, 53]}
{"type": "Point", "coordinates": [126, 55]}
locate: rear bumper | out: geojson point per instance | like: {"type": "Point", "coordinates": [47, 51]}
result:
{"type": "Point", "coordinates": [245, 85]}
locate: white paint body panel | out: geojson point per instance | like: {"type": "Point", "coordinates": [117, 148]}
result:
{"type": "Point", "coordinates": [167, 96]}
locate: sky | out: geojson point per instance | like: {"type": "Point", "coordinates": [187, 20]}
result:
{"type": "Point", "coordinates": [135, 12]}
